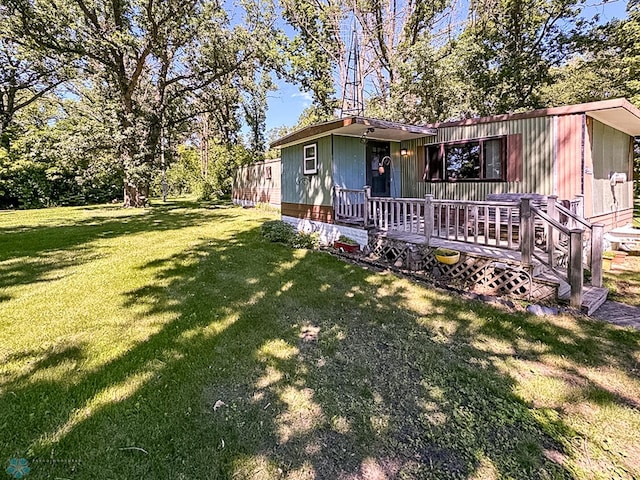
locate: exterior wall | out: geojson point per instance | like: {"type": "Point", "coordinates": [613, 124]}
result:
{"type": "Point", "coordinates": [341, 162]}
{"type": "Point", "coordinates": [251, 185]}
{"type": "Point", "coordinates": [568, 167]}
{"type": "Point", "coordinates": [348, 162]}
{"type": "Point", "coordinates": [611, 151]}
{"type": "Point", "coordinates": [537, 160]}
{"type": "Point", "coordinates": [307, 189]}
{"type": "Point", "coordinates": [349, 166]}
{"type": "Point", "coordinates": [329, 233]}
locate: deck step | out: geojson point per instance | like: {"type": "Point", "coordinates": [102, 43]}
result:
{"type": "Point", "coordinates": [592, 298]}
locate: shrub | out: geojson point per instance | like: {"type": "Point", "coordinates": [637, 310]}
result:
{"type": "Point", "coordinates": [282, 232]}
{"type": "Point", "coordinates": [306, 240]}
{"type": "Point", "coordinates": [347, 240]}
{"type": "Point", "coordinates": [278, 231]}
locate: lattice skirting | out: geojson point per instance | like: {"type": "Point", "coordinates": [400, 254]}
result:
{"type": "Point", "coordinates": [473, 273]}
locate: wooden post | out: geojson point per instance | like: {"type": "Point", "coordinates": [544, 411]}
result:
{"type": "Point", "coordinates": [365, 210]}
{"type": "Point", "coordinates": [575, 267]}
{"type": "Point", "coordinates": [527, 234]}
{"type": "Point", "coordinates": [580, 208]}
{"type": "Point", "coordinates": [336, 202]}
{"type": "Point", "coordinates": [428, 216]}
{"type": "Point", "coordinates": [552, 233]}
{"type": "Point", "coordinates": [597, 237]}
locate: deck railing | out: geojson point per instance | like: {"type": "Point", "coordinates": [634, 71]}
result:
{"type": "Point", "coordinates": [398, 214]}
{"type": "Point", "coordinates": [557, 236]}
{"type": "Point", "coordinates": [487, 223]}
{"type": "Point", "coordinates": [561, 245]}
{"type": "Point", "coordinates": [350, 205]}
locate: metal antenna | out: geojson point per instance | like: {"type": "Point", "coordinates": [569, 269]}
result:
{"type": "Point", "coordinates": [352, 92]}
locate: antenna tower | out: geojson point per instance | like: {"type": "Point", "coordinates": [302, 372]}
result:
{"type": "Point", "coordinates": [352, 92]}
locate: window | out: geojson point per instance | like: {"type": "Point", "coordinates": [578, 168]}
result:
{"type": "Point", "coordinates": [310, 164]}
{"type": "Point", "coordinates": [482, 159]}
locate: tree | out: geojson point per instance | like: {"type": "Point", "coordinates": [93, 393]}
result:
{"type": "Point", "coordinates": [24, 77]}
{"type": "Point", "coordinates": [508, 48]}
{"type": "Point", "coordinates": [395, 41]}
{"type": "Point", "coordinates": [149, 59]}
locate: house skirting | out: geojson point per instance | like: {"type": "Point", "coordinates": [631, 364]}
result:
{"type": "Point", "coordinates": [318, 213]}
{"type": "Point", "coordinates": [329, 232]}
{"type": "Point", "coordinates": [477, 273]}
{"type": "Point", "coordinates": [613, 220]}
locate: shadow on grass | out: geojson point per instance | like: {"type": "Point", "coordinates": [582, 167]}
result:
{"type": "Point", "coordinates": [31, 254]}
{"type": "Point", "coordinates": [624, 282]}
{"type": "Point", "coordinates": [286, 364]}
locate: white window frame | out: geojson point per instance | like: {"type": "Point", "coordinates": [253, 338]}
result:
{"type": "Point", "coordinates": [310, 157]}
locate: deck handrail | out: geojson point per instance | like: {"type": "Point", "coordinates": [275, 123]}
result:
{"type": "Point", "coordinates": [595, 233]}
{"type": "Point", "coordinates": [574, 236]}
{"type": "Point", "coordinates": [350, 205]}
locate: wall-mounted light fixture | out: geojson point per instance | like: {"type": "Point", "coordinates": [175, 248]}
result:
{"type": "Point", "coordinates": [404, 152]}
{"type": "Point", "coordinates": [363, 137]}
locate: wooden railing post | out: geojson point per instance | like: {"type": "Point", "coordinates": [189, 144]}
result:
{"type": "Point", "coordinates": [597, 237]}
{"type": "Point", "coordinates": [428, 216]}
{"type": "Point", "coordinates": [575, 267]}
{"type": "Point", "coordinates": [337, 207]}
{"type": "Point", "coordinates": [527, 233]}
{"type": "Point", "coordinates": [552, 233]}
{"type": "Point", "coordinates": [365, 210]}
{"type": "Point", "coordinates": [580, 205]}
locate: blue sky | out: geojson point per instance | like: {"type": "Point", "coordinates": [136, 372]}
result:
{"type": "Point", "coordinates": [287, 103]}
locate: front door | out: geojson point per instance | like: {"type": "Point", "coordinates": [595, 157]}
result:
{"type": "Point", "coordinates": [379, 168]}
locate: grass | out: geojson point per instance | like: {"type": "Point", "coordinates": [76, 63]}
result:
{"type": "Point", "coordinates": [623, 281]}
{"type": "Point", "coordinates": [174, 343]}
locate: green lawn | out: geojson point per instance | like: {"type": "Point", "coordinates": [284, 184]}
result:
{"type": "Point", "coordinates": [623, 281]}
{"type": "Point", "coordinates": [173, 343]}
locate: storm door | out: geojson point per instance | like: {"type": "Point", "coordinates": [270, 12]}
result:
{"type": "Point", "coordinates": [379, 168]}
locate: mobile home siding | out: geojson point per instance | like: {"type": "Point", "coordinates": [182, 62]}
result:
{"type": "Point", "coordinates": [568, 166]}
{"type": "Point", "coordinates": [307, 189]}
{"type": "Point", "coordinates": [537, 160]}
{"type": "Point", "coordinates": [253, 185]}
{"type": "Point", "coordinates": [610, 152]}
{"type": "Point", "coordinates": [348, 162]}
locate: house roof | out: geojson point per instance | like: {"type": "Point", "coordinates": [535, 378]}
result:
{"type": "Point", "coordinates": [618, 113]}
{"type": "Point", "coordinates": [370, 128]}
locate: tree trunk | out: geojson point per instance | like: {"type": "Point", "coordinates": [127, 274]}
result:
{"type": "Point", "coordinates": [135, 196]}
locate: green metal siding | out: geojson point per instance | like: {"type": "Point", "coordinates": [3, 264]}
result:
{"type": "Point", "coordinates": [341, 162]}
{"type": "Point", "coordinates": [537, 160]}
{"type": "Point", "coordinates": [610, 153]}
{"type": "Point", "coordinates": [307, 189]}
{"type": "Point", "coordinates": [348, 162]}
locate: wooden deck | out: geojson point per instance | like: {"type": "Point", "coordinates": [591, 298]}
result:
{"type": "Point", "coordinates": [519, 229]}
{"type": "Point", "coordinates": [593, 297]}
{"type": "Point", "coordinates": [478, 249]}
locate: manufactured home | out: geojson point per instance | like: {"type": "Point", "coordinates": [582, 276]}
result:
{"type": "Point", "coordinates": [542, 187]}
{"type": "Point", "coordinates": [578, 151]}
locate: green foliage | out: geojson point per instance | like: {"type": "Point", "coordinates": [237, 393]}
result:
{"type": "Point", "coordinates": [347, 240]}
{"type": "Point", "coordinates": [59, 157]}
{"type": "Point", "coordinates": [306, 240]}
{"type": "Point", "coordinates": [278, 231]}
{"type": "Point", "coordinates": [183, 176]}
{"type": "Point", "coordinates": [282, 232]}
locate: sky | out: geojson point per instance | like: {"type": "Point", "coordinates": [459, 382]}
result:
{"type": "Point", "coordinates": [287, 103]}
